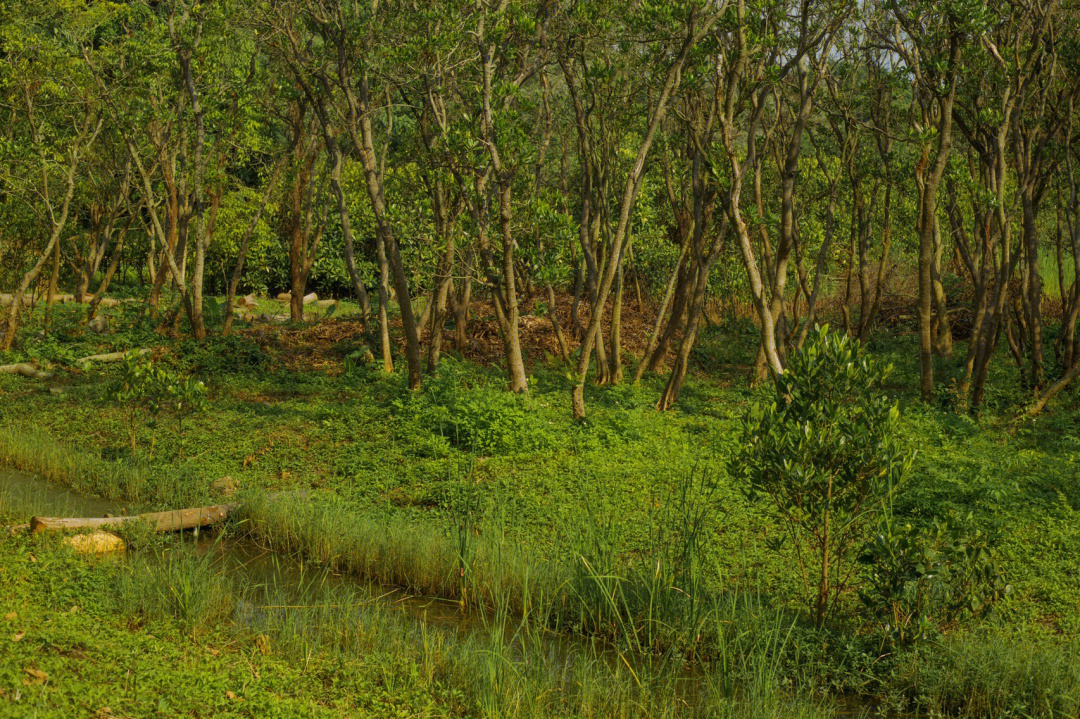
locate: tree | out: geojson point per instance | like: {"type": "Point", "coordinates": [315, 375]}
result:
{"type": "Point", "coordinates": [823, 453]}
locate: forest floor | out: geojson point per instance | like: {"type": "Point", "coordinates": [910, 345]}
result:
{"type": "Point", "coordinates": [290, 407]}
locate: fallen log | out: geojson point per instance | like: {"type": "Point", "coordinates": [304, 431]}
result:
{"type": "Point", "coordinates": [175, 520]}
{"type": "Point", "coordinates": [110, 357]}
{"type": "Point", "coordinates": [6, 299]}
{"type": "Point", "coordinates": [307, 299]}
{"type": "Point", "coordinates": [26, 370]}
{"type": "Point", "coordinates": [172, 521]}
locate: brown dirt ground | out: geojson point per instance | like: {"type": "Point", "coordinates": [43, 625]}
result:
{"type": "Point", "coordinates": [312, 346]}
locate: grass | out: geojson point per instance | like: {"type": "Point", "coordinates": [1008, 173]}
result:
{"type": "Point", "coordinates": [1048, 272]}
{"type": "Point", "coordinates": [180, 615]}
{"type": "Point", "coordinates": [463, 492]}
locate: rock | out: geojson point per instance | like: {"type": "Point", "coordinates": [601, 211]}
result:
{"type": "Point", "coordinates": [224, 487]}
{"type": "Point", "coordinates": [327, 303]}
{"type": "Point", "coordinates": [308, 299]}
{"type": "Point", "coordinates": [95, 543]}
{"type": "Point", "coordinates": [98, 325]}
{"type": "Point", "coordinates": [284, 296]}
{"type": "Point", "coordinates": [247, 300]}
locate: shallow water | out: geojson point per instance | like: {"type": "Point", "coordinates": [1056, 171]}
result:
{"type": "Point", "coordinates": [24, 495]}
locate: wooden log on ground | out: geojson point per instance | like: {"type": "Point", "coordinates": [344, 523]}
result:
{"type": "Point", "coordinates": [110, 357]}
{"type": "Point", "coordinates": [5, 299]}
{"type": "Point", "coordinates": [172, 521]}
{"type": "Point", "coordinates": [26, 370]}
{"type": "Point", "coordinates": [287, 297]}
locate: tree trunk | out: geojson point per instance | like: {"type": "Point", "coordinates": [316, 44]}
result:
{"type": "Point", "coordinates": [615, 355]}
{"type": "Point", "coordinates": [564, 347]}
{"type": "Point", "coordinates": [650, 350]}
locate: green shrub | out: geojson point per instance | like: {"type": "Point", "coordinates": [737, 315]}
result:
{"type": "Point", "coordinates": [922, 579]}
{"type": "Point", "coordinates": [822, 453]}
{"type": "Point", "coordinates": [144, 386]}
{"type": "Point", "coordinates": [473, 416]}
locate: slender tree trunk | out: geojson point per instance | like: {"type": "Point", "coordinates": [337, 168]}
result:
{"type": "Point", "coordinates": [384, 232]}
{"type": "Point", "coordinates": [943, 343]}
{"type": "Point", "coordinates": [697, 305]}
{"type": "Point", "coordinates": [615, 355]}
{"type": "Point", "coordinates": [1033, 297]}
{"type": "Point", "coordinates": [650, 351]}
{"type": "Point", "coordinates": [564, 347]}
{"type": "Point", "coordinates": [384, 300]}
{"type": "Point", "coordinates": [118, 252]}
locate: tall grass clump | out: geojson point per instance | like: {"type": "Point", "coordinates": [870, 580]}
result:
{"type": "Point", "coordinates": [655, 605]}
{"type": "Point", "coordinates": [181, 581]}
{"type": "Point", "coordinates": [459, 562]}
{"type": "Point", "coordinates": [993, 672]}
{"type": "Point", "coordinates": [657, 599]}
